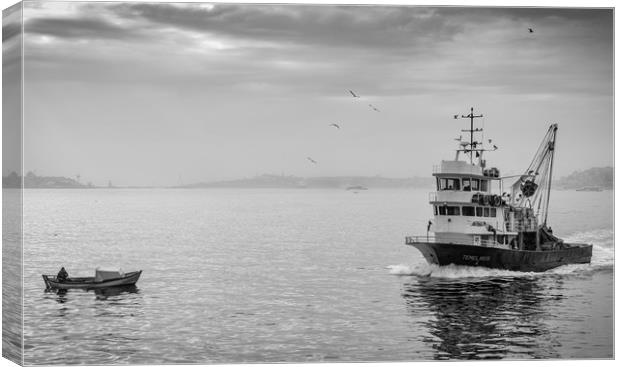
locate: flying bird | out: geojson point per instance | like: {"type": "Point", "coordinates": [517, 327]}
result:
{"type": "Point", "coordinates": [456, 116]}
{"type": "Point", "coordinates": [494, 147]}
{"type": "Point", "coordinates": [336, 126]}
{"type": "Point", "coordinates": [374, 108]}
{"type": "Point", "coordinates": [353, 94]}
{"type": "Point", "coordinates": [531, 30]}
{"type": "Point", "coordinates": [311, 160]}
{"type": "Point", "coordinates": [490, 141]}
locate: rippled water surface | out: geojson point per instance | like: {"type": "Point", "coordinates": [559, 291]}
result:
{"type": "Point", "coordinates": [297, 275]}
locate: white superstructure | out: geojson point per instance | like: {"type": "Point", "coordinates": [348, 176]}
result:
{"type": "Point", "coordinates": [467, 205]}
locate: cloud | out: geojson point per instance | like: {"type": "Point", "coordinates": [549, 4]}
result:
{"type": "Point", "coordinates": [11, 22]}
{"type": "Point", "coordinates": [336, 26]}
{"type": "Point", "coordinates": [78, 28]}
{"type": "Point", "coordinates": [10, 30]}
{"type": "Point", "coordinates": [386, 50]}
{"type": "Point", "coordinates": [11, 41]}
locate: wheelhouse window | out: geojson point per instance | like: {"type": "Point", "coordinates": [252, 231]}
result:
{"type": "Point", "coordinates": [448, 210]}
{"type": "Point", "coordinates": [469, 211]}
{"type": "Point", "coordinates": [484, 185]}
{"type": "Point", "coordinates": [493, 212]}
{"type": "Point", "coordinates": [449, 184]}
{"type": "Point", "coordinates": [466, 184]}
{"type": "Point", "coordinates": [453, 210]}
{"type": "Point", "coordinates": [478, 211]}
{"type": "Point", "coordinates": [486, 212]}
{"type": "Point", "coordinates": [475, 184]}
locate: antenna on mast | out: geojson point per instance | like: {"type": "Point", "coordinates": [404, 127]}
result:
{"type": "Point", "coordinates": [471, 131]}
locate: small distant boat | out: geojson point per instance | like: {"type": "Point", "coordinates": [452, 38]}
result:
{"type": "Point", "coordinates": [590, 188]}
{"type": "Point", "coordinates": [100, 280]}
{"type": "Point", "coordinates": [357, 187]}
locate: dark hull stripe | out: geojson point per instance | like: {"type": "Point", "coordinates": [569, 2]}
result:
{"type": "Point", "coordinates": [515, 260]}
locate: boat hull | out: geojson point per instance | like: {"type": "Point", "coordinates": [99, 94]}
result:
{"type": "Point", "coordinates": [499, 258]}
{"type": "Point", "coordinates": [90, 283]}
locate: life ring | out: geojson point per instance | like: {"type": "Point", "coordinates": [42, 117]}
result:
{"type": "Point", "coordinates": [497, 201]}
{"type": "Point", "coordinates": [481, 199]}
{"type": "Point", "coordinates": [486, 199]}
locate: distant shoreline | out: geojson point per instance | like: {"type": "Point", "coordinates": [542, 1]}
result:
{"type": "Point", "coordinates": [593, 179]}
{"type": "Point", "coordinates": [256, 188]}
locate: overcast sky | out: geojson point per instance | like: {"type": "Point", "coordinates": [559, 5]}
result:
{"type": "Point", "coordinates": [158, 94]}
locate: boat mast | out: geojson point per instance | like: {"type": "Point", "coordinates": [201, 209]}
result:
{"type": "Point", "coordinates": [471, 131]}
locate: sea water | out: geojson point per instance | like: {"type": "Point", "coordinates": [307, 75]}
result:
{"type": "Point", "coordinates": [298, 275]}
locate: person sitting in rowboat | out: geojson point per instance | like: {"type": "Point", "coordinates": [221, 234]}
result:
{"type": "Point", "coordinates": [62, 275]}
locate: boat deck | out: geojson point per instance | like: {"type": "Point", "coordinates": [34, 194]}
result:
{"type": "Point", "coordinates": [411, 240]}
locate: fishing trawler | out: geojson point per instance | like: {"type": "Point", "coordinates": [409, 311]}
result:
{"type": "Point", "coordinates": [484, 219]}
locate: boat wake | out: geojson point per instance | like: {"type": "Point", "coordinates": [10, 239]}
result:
{"type": "Point", "coordinates": [453, 271]}
{"type": "Point", "coordinates": [602, 241]}
{"type": "Point", "coordinates": [602, 258]}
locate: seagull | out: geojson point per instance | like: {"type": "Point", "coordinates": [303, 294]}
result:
{"type": "Point", "coordinates": [490, 141]}
{"type": "Point", "coordinates": [336, 126]}
{"type": "Point", "coordinates": [494, 147]}
{"type": "Point", "coordinates": [311, 160]}
{"type": "Point", "coordinates": [531, 30]}
{"type": "Point", "coordinates": [373, 107]}
{"type": "Point", "coordinates": [353, 94]}
{"type": "Point", "coordinates": [456, 116]}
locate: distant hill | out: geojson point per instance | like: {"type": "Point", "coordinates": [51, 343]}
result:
{"type": "Point", "coordinates": [596, 177]}
{"type": "Point", "coordinates": [32, 181]}
{"type": "Point", "coordinates": [592, 178]}
{"type": "Point", "coordinates": [338, 182]}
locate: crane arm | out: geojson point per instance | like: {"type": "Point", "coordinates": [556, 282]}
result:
{"type": "Point", "coordinates": [533, 188]}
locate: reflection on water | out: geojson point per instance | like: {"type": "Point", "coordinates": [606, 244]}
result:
{"type": "Point", "coordinates": [100, 294]}
{"type": "Point", "coordinates": [102, 321]}
{"type": "Point", "coordinates": [490, 318]}
{"type": "Point", "coordinates": [118, 302]}
{"type": "Point", "coordinates": [105, 293]}
{"type": "Point", "coordinates": [62, 295]}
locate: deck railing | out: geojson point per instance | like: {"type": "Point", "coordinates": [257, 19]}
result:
{"type": "Point", "coordinates": [410, 240]}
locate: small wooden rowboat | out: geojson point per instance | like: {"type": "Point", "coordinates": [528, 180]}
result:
{"type": "Point", "coordinates": [90, 282]}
